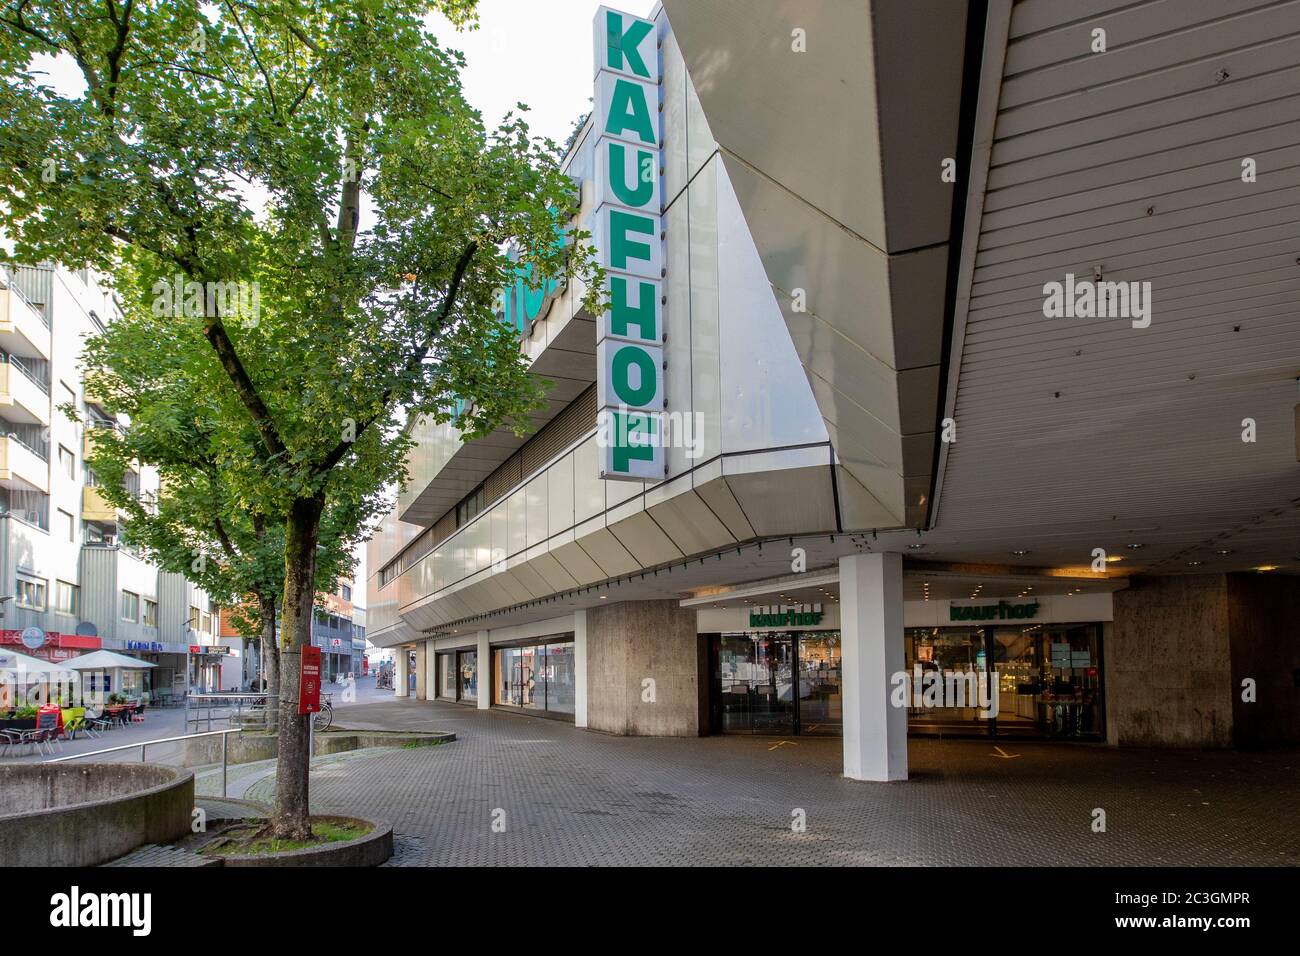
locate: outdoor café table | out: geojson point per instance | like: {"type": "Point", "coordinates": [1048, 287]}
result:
{"type": "Point", "coordinates": [118, 713]}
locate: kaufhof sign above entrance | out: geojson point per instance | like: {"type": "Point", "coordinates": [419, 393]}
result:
{"type": "Point", "coordinates": [627, 231]}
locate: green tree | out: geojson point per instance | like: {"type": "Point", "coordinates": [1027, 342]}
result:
{"type": "Point", "coordinates": [236, 143]}
{"type": "Point", "coordinates": [195, 525]}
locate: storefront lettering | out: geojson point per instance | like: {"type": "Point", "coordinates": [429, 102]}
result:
{"type": "Point", "coordinates": [627, 231]}
{"type": "Point", "coordinates": [1001, 611]}
{"type": "Point", "coordinates": [786, 619]}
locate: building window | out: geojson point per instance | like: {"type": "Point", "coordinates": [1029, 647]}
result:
{"type": "Point", "coordinates": [346, 593]}
{"type": "Point", "coordinates": [194, 618]}
{"type": "Point", "coordinates": [67, 525]}
{"type": "Point", "coordinates": [130, 606]}
{"type": "Point", "coordinates": [537, 677]}
{"type": "Point", "coordinates": [467, 667]}
{"type": "Point", "coordinates": [31, 594]}
{"type": "Point", "coordinates": [67, 598]}
{"type": "Point", "coordinates": [150, 613]}
{"type": "Point", "coordinates": [68, 463]}
{"type": "Point", "coordinates": [205, 621]}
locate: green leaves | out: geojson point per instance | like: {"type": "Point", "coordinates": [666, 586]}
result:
{"type": "Point", "coordinates": [323, 157]}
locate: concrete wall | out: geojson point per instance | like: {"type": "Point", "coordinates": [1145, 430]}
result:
{"type": "Point", "coordinates": [1167, 664]}
{"type": "Point", "coordinates": [631, 641]}
{"type": "Point", "coordinates": [1263, 612]}
{"type": "Point", "coordinates": [87, 814]}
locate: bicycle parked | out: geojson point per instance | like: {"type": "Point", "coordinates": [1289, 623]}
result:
{"type": "Point", "coordinates": [322, 719]}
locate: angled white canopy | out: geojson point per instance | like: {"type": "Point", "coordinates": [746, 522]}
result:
{"type": "Point", "coordinates": [107, 660]}
{"type": "Point", "coordinates": [16, 661]}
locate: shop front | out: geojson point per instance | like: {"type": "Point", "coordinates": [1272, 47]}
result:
{"type": "Point", "coordinates": [457, 676]}
{"type": "Point", "coordinates": [984, 667]}
{"type": "Point", "coordinates": [538, 676]}
{"type": "Point", "coordinates": [1046, 678]}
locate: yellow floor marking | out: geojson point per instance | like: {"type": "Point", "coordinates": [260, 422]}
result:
{"type": "Point", "coordinates": [779, 743]}
{"type": "Point", "coordinates": [1003, 753]}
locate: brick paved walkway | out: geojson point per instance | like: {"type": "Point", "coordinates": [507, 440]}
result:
{"type": "Point", "coordinates": [574, 797]}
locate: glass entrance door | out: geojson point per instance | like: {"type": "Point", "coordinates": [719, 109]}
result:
{"type": "Point", "coordinates": [755, 674]}
{"type": "Point", "coordinates": [819, 683]}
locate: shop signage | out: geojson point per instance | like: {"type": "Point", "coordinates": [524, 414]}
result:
{"type": "Point", "coordinates": [33, 637]}
{"type": "Point", "coordinates": [309, 680]}
{"type": "Point", "coordinates": [627, 231]}
{"type": "Point", "coordinates": [785, 619]}
{"type": "Point", "coordinates": [1002, 611]}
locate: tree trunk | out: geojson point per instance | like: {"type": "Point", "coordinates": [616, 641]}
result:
{"type": "Point", "coordinates": [270, 662]}
{"type": "Point", "coordinates": [290, 819]}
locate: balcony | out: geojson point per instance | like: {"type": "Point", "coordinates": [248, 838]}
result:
{"type": "Point", "coordinates": [95, 507]}
{"type": "Point", "coordinates": [94, 428]}
{"type": "Point", "coordinates": [21, 468]}
{"type": "Point", "coordinates": [23, 328]}
{"type": "Point", "coordinates": [23, 397]}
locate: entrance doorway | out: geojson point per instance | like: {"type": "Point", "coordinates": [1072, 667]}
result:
{"type": "Point", "coordinates": [777, 683]}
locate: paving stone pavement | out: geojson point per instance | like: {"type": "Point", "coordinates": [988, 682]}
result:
{"type": "Point", "coordinates": [573, 797]}
{"type": "Point", "coordinates": [152, 854]}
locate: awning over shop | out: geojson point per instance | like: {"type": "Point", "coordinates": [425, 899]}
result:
{"type": "Point", "coordinates": [106, 660]}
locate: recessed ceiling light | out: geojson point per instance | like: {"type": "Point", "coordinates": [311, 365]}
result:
{"type": "Point", "coordinates": [1267, 567]}
{"type": "Point", "coordinates": [1133, 547]}
{"type": "Point", "coordinates": [1019, 553]}
{"type": "Point", "coordinates": [1194, 564]}
{"type": "Point", "coordinates": [1112, 558]}
{"type": "Point", "coordinates": [1224, 551]}
{"type": "Point", "coordinates": [916, 547]}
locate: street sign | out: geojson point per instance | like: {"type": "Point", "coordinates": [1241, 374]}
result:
{"type": "Point", "coordinates": [309, 680]}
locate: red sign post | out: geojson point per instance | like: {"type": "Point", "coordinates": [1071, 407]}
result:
{"type": "Point", "coordinates": [309, 680]}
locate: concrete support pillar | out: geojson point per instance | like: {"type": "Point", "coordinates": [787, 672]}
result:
{"type": "Point", "coordinates": [580, 668]}
{"type": "Point", "coordinates": [421, 672]}
{"type": "Point", "coordinates": [484, 671]}
{"type": "Point", "coordinates": [430, 670]}
{"type": "Point", "coordinates": [871, 637]}
{"type": "Point", "coordinates": [401, 671]}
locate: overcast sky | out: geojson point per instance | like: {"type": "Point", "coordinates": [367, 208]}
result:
{"type": "Point", "coordinates": [535, 51]}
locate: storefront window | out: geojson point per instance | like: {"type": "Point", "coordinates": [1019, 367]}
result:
{"type": "Point", "coordinates": [467, 668]}
{"type": "Point", "coordinates": [447, 676]}
{"type": "Point", "coordinates": [536, 677]}
{"type": "Point", "coordinates": [558, 678]}
{"type": "Point", "coordinates": [1048, 678]}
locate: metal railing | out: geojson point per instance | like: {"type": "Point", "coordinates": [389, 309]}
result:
{"type": "Point", "coordinates": [228, 707]}
{"type": "Point", "coordinates": [225, 750]}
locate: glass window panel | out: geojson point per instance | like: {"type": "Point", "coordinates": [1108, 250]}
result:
{"type": "Point", "coordinates": [558, 678]}
{"type": "Point", "coordinates": [468, 671]}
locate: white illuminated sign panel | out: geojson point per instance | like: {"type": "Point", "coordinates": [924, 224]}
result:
{"type": "Point", "coordinates": [627, 230]}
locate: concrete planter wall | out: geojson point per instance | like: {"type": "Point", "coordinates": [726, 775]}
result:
{"type": "Point", "coordinates": [251, 747]}
{"type": "Point", "coordinates": [369, 850]}
{"type": "Point", "coordinates": [86, 814]}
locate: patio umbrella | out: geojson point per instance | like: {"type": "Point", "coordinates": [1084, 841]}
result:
{"type": "Point", "coordinates": [23, 669]}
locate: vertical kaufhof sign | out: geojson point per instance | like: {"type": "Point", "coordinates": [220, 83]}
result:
{"type": "Point", "coordinates": [627, 232]}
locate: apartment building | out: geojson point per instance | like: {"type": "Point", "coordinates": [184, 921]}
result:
{"type": "Point", "coordinates": [67, 583]}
